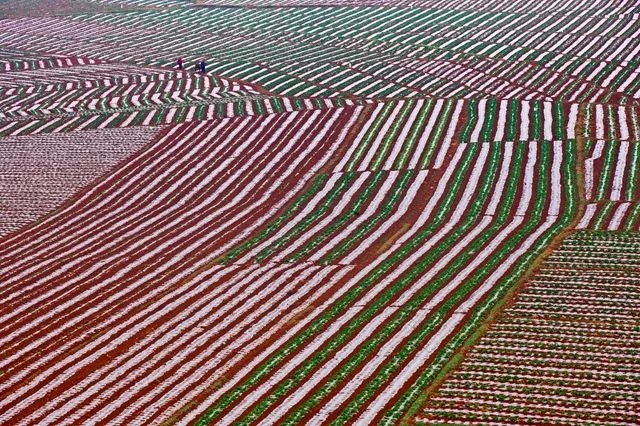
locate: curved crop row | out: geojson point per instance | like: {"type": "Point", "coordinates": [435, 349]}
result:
{"type": "Point", "coordinates": [611, 171]}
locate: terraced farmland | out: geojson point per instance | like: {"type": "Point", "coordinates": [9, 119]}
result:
{"type": "Point", "coordinates": [354, 197]}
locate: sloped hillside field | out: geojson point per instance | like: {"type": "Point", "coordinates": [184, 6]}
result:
{"type": "Point", "coordinates": [361, 213]}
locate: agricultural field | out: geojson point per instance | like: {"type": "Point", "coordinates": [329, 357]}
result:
{"type": "Point", "coordinates": [364, 212]}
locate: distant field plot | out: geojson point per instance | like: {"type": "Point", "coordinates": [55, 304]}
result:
{"type": "Point", "coordinates": [53, 94]}
{"type": "Point", "coordinates": [566, 352]}
{"type": "Point", "coordinates": [50, 94]}
{"type": "Point", "coordinates": [144, 3]}
{"type": "Point", "coordinates": [606, 7]}
{"type": "Point", "coordinates": [39, 172]}
{"type": "Point", "coordinates": [14, 9]}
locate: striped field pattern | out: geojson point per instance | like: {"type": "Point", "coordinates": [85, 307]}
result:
{"type": "Point", "coordinates": [418, 283]}
{"type": "Point", "coordinates": [61, 94]}
{"type": "Point", "coordinates": [526, 50]}
{"type": "Point", "coordinates": [66, 94]}
{"type": "Point", "coordinates": [317, 229]}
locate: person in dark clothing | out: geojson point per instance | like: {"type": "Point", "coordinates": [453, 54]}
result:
{"type": "Point", "coordinates": [203, 67]}
{"type": "Point", "coordinates": [180, 63]}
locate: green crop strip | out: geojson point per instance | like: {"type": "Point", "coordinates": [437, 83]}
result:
{"type": "Point", "coordinates": [370, 224]}
{"type": "Point", "coordinates": [536, 120]}
{"type": "Point", "coordinates": [159, 117]}
{"type": "Point", "coordinates": [635, 126]}
{"type": "Point", "coordinates": [617, 82]}
{"type": "Point", "coordinates": [607, 170]}
{"type": "Point", "coordinates": [50, 127]}
{"type": "Point", "coordinates": [604, 73]}
{"type": "Point", "coordinates": [390, 137]}
{"type": "Point", "coordinates": [602, 214]}
{"type": "Point", "coordinates": [137, 121]}
{"type": "Point", "coordinates": [339, 306]}
{"type": "Point", "coordinates": [179, 115]}
{"type": "Point", "coordinates": [489, 125]}
{"type": "Point", "coordinates": [317, 184]}
{"type": "Point", "coordinates": [341, 221]}
{"type": "Point", "coordinates": [631, 222]}
{"type": "Point", "coordinates": [546, 75]}
{"type": "Point", "coordinates": [258, 106]}
{"type": "Point", "coordinates": [373, 131]}
{"type": "Point", "coordinates": [588, 119]}
{"type": "Point", "coordinates": [556, 85]}
{"type": "Point", "coordinates": [221, 110]}
{"type": "Point", "coordinates": [343, 184]}
{"type": "Point", "coordinates": [436, 137]}
{"type": "Point", "coordinates": [558, 119]}
{"type": "Point", "coordinates": [278, 107]}
{"type": "Point", "coordinates": [122, 117]}
{"type": "Point", "coordinates": [611, 115]}
{"type": "Point", "coordinates": [412, 138]}
{"type": "Point", "coordinates": [632, 176]}
{"type": "Point", "coordinates": [569, 90]}
{"type": "Point", "coordinates": [238, 107]}
{"type": "Point", "coordinates": [512, 120]}
{"type": "Point", "coordinates": [632, 88]}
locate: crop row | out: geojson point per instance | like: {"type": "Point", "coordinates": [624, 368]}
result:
{"type": "Point", "coordinates": [597, 8]}
{"type": "Point", "coordinates": [24, 64]}
{"type": "Point", "coordinates": [610, 122]}
{"type": "Point", "coordinates": [611, 171]}
{"type": "Point", "coordinates": [611, 216]}
{"type": "Point", "coordinates": [148, 3]}
{"type": "Point", "coordinates": [127, 79]}
{"type": "Point", "coordinates": [146, 115]}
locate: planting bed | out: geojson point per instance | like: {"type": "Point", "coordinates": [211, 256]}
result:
{"type": "Point", "coordinates": [14, 9]}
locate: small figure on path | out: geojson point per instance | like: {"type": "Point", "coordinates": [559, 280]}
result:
{"type": "Point", "coordinates": [203, 67]}
{"type": "Point", "coordinates": [180, 63]}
